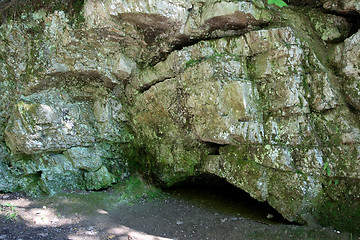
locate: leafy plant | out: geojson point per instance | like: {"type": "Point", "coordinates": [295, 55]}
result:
{"type": "Point", "coordinates": [11, 211]}
{"type": "Point", "coordinates": [279, 3]}
{"type": "Point", "coordinates": [327, 171]}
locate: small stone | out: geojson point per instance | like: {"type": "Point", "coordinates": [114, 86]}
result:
{"type": "Point", "coordinates": [223, 220]}
{"type": "Point", "coordinates": [3, 236]}
{"type": "Point", "coordinates": [234, 218]}
{"type": "Point", "coordinates": [179, 222]}
{"type": "Point", "coordinates": [43, 234]}
{"type": "Point", "coordinates": [269, 216]}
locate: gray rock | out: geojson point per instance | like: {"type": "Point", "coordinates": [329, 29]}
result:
{"type": "Point", "coordinates": [99, 179]}
{"type": "Point", "coordinates": [348, 59]}
{"type": "Point", "coordinates": [88, 159]}
{"type": "Point", "coordinates": [342, 6]}
{"type": "Point", "coordinates": [181, 88]}
{"type": "Point", "coordinates": [47, 122]}
{"type": "Point", "coordinates": [331, 28]}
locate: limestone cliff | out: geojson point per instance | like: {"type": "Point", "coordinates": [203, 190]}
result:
{"type": "Point", "coordinates": [264, 97]}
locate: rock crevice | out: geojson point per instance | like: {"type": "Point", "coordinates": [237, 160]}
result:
{"type": "Point", "coordinates": [177, 89]}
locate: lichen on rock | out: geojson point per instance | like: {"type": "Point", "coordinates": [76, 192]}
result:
{"type": "Point", "coordinates": [175, 89]}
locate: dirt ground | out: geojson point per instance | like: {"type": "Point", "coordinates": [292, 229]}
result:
{"type": "Point", "coordinates": [100, 216]}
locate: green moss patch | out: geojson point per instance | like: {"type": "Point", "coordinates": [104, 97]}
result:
{"type": "Point", "coordinates": [341, 206]}
{"type": "Point", "coordinates": [131, 191]}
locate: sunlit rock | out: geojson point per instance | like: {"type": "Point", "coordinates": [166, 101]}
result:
{"type": "Point", "coordinates": [47, 124]}
{"type": "Point", "coordinates": [244, 90]}
{"type": "Point", "coordinates": [348, 59]}
{"type": "Point", "coordinates": [342, 6]}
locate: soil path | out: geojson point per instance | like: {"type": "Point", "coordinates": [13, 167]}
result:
{"type": "Point", "coordinates": [98, 216]}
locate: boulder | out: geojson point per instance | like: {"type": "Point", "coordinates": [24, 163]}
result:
{"type": "Point", "coordinates": [258, 110]}
{"type": "Point", "coordinates": [347, 57]}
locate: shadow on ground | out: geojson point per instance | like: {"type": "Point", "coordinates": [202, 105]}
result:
{"type": "Point", "coordinates": [137, 211]}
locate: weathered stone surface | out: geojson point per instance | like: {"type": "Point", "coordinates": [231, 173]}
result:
{"type": "Point", "coordinates": [348, 59]}
{"type": "Point", "coordinates": [48, 122]}
{"type": "Point", "coordinates": [84, 158]}
{"type": "Point", "coordinates": [256, 93]}
{"type": "Point", "coordinates": [161, 25]}
{"type": "Point", "coordinates": [7, 180]}
{"type": "Point", "coordinates": [55, 96]}
{"type": "Point", "coordinates": [331, 28]}
{"type": "Point", "coordinates": [224, 18]}
{"type": "Point", "coordinates": [342, 6]}
{"type": "Point", "coordinates": [231, 88]}
{"type": "Point", "coordinates": [99, 179]}
{"type": "Point", "coordinates": [141, 12]}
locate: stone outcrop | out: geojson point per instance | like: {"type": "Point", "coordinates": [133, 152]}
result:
{"type": "Point", "coordinates": [266, 98]}
{"type": "Point", "coordinates": [342, 6]}
{"type": "Point", "coordinates": [347, 56]}
{"type": "Point", "coordinates": [150, 30]}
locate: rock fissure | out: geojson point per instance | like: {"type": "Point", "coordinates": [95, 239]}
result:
{"type": "Point", "coordinates": [180, 88]}
{"type": "Point", "coordinates": [146, 87]}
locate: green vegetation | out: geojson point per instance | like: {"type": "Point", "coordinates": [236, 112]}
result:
{"type": "Point", "coordinates": [10, 211]}
{"type": "Point", "coordinates": [278, 3]}
{"type": "Point", "coordinates": [342, 215]}
{"type": "Point", "coordinates": [134, 189]}
{"type": "Point", "coordinates": [327, 171]}
{"type": "Point", "coordinates": [131, 191]}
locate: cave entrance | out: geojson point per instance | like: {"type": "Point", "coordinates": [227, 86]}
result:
{"type": "Point", "coordinates": [217, 195]}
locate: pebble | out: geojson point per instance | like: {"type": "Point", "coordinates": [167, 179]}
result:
{"type": "Point", "coordinates": [223, 220]}
{"type": "Point", "coordinates": [179, 222]}
{"type": "Point", "coordinates": [3, 236]}
{"type": "Point", "coordinates": [5, 196]}
{"type": "Point", "coordinates": [234, 218]}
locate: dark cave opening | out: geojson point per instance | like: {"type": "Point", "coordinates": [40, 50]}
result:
{"type": "Point", "coordinates": [216, 194]}
{"type": "Point", "coordinates": [214, 148]}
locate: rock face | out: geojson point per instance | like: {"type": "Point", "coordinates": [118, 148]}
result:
{"type": "Point", "coordinates": [176, 89]}
{"type": "Point", "coordinates": [348, 59]}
